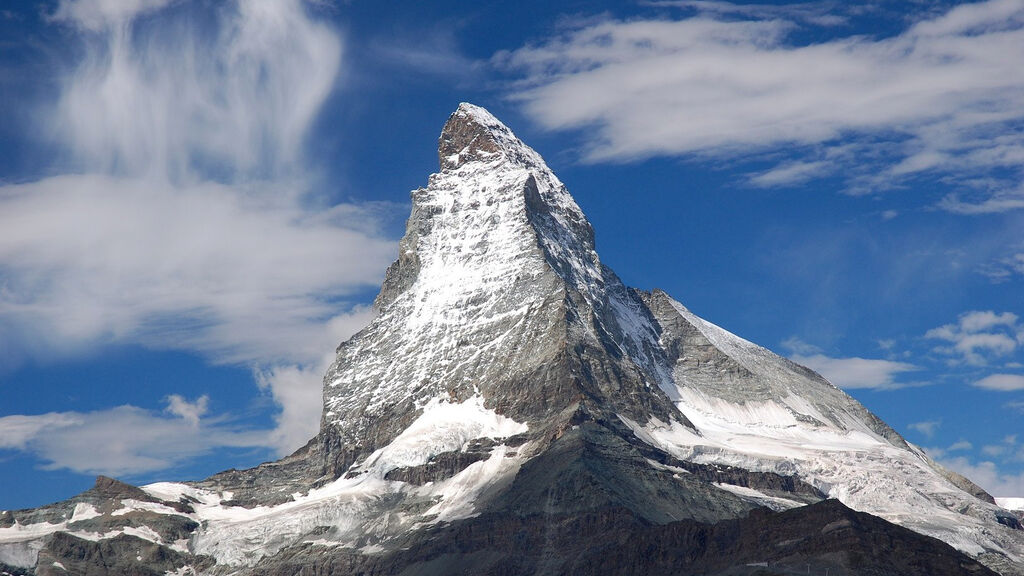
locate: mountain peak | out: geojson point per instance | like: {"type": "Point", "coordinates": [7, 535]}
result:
{"type": "Point", "coordinates": [511, 384]}
{"type": "Point", "coordinates": [474, 134]}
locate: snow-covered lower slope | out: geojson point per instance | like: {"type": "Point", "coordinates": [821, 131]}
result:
{"type": "Point", "coordinates": [360, 510]}
{"type": "Point", "coordinates": [755, 410]}
{"type": "Point", "coordinates": [366, 508]}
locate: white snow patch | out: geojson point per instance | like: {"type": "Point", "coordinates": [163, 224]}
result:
{"type": "Point", "coordinates": [130, 505]}
{"type": "Point", "coordinates": [442, 427]}
{"type": "Point", "coordinates": [18, 531]}
{"type": "Point", "coordinates": [460, 492]}
{"type": "Point", "coordinates": [20, 543]}
{"type": "Point", "coordinates": [773, 502]}
{"type": "Point", "coordinates": [59, 565]}
{"type": "Point", "coordinates": [675, 470]}
{"type": "Point", "coordinates": [180, 545]}
{"type": "Point", "coordinates": [859, 468]}
{"type": "Point", "coordinates": [144, 532]}
{"type": "Point", "coordinates": [1016, 504]}
{"type": "Point", "coordinates": [84, 511]}
{"type": "Point", "coordinates": [358, 505]}
{"type": "Point", "coordinates": [371, 549]}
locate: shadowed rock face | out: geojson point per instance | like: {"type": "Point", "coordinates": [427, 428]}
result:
{"type": "Point", "coordinates": [514, 408]}
{"type": "Point", "coordinates": [820, 537]}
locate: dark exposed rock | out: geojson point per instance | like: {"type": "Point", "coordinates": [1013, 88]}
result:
{"type": "Point", "coordinates": [272, 482]}
{"type": "Point", "coordinates": [109, 488]}
{"type": "Point", "coordinates": [590, 467]}
{"type": "Point", "coordinates": [819, 537]}
{"type": "Point", "coordinates": [119, 556]}
{"type": "Point", "coordinates": [441, 466]}
{"type": "Point", "coordinates": [6, 570]}
{"type": "Point", "coordinates": [1009, 521]}
{"type": "Point", "coordinates": [171, 528]}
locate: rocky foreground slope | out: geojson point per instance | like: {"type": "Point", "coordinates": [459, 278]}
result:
{"type": "Point", "coordinates": [515, 409]}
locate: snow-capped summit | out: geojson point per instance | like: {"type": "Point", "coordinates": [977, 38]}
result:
{"type": "Point", "coordinates": [497, 291]}
{"type": "Point", "coordinates": [514, 408]}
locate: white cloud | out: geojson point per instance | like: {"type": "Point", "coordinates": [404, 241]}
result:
{"type": "Point", "coordinates": [983, 320]}
{"type": "Point", "coordinates": [19, 430]}
{"type": "Point", "coordinates": [1005, 268]}
{"type": "Point", "coordinates": [979, 336]}
{"type": "Point", "coordinates": [92, 260]}
{"type": "Point", "coordinates": [960, 445]}
{"type": "Point", "coordinates": [299, 388]}
{"type": "Point", "coordinates": [1003, 382]}
{"type": "Point", "coordinates": [819, 13]}
{"type": "Point", "coordinates": [988, 476]}
{"type": "Point", "coordinates": [1008, 451]}
{"type": "Point", "coordinates": [188, 411]}
{"type": "Point", "coordinates": [789, 174]}
{"type": "Point", "coordinates": [798, 346]}
{"type": "Point", "coordinates": [944, 96]}
{"type": "Point", "coordinates": [169, 102]}
{"type": "Point", "coordinates": [189, 220]}
{"type": "Point", "coordinates": [927, 428]}
{"type": "Point", "coordinates": [996, 203]}
{"type": "Point", "coordinates": [849, 373]}
{"type": "Point", "coordinates": [992, 450]}
{"type": "Point", "coordinates": [122, 440]}
{"type": "Point", "coordinates": [96, 15]}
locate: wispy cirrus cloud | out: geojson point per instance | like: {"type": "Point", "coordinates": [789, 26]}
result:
{"type": "Point", "coordinates": [185, 216]}
{"type": "Point", "coordinates": [1005, 268]}
{"type": "Point", "coordinates": [940, 98]}
{"type": "Point", "coordinates": [818, 13]}
{"type": "Point", "coordinates": [95, 15]}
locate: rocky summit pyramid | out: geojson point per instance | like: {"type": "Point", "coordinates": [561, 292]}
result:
{"type": "Point", "coordinates": [515, 409]}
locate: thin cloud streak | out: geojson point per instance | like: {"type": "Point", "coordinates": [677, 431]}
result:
{"type": "Point", "coordinates": [858, 373]}
{"type": "Point", "coordinates": [851, 373]}
{"type": "Point", "coordinates": [1001, 382]}
{"type": "Point", "coordinates": [124, 439]}
{"type": "Point", "coordinates": [944, 97]}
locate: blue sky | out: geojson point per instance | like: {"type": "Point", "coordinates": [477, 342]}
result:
{"type": "Point", "coordinates": [198, 200]}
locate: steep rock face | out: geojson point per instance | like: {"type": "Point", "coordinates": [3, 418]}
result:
{"type": "Point", "coordinates": [514, 408]}
{"type": "Point", "coordinates": [497, 291]}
